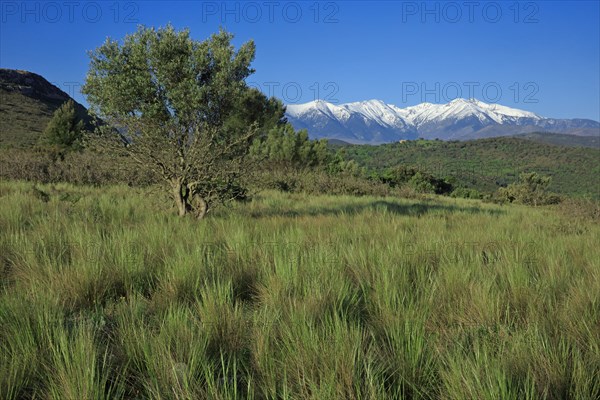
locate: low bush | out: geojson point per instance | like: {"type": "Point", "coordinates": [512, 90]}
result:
{"type": "Point", "coordinates": [420, 181]}
{"type": "Point", "coordinates": [530, 189]}
{"type": "Point", "coordinates": [466, 193]}
{"type": "Point", "coordinates": [85, 168]}
{"type": "Point", "coordinates": [320, 182]}
{"type": "Point", "coordinates": [580, 208]}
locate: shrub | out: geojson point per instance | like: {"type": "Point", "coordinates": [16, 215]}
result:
{"type": "Point", "coordinates": [466, 193]}
{"type": "Point", "coordinates": [64, 130]}
{"type": "Point", "coordinates": [341, 184]}
{"type": "Point", "coordinates": [285, 147]}
{"type": "Point", "coordinates": [530, 189]}
{"type": "Point", "coordinates": [420, 181]}
{"type": "Point", "coordinates": [581, 208]}
{"type": "Point", "coordinates": [84, 167]}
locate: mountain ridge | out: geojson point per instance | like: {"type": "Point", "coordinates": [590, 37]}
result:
{"type": "Point", "coordinates": [374, 122]}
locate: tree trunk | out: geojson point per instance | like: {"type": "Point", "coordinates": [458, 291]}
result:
{"type": "Point", "coordinates": [200, 206]}
{"type": "Point", "coordinates": [186, 201]}
{"type": "Point", "coordinates": [179, 198]}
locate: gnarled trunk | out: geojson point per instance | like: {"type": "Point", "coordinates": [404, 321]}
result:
{"type": "Point", "coordinates": [200, 206]}
{"type": "Point", "coordinates": [187, 201]}
{"type": "Point", "coordinates": [179, 197]}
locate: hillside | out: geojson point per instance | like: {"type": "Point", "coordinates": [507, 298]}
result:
{"type": "Point", "coordinates": [27, 101]}
{"type": "Point", "coordinates": [486, 164]}
{"type": "Point", "coordinates": [562, 139]}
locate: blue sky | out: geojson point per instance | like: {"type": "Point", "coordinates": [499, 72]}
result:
{"type": "Point", "coordinates": [541, 56]}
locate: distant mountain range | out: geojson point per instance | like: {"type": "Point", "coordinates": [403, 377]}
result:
{"type": "Point", "coordinates": [375, 122]}
{"type": "Point", "coordinates": [27, 101]}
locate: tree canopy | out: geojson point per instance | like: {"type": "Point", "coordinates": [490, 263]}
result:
{"type": "Point", "coordinates": [182, 108]}
{"type": "Point", "coordinates": [285, 147]}
{"type": "Point", "coordinates": [64, 130]}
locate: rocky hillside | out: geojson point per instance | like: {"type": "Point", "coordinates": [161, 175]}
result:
{"type": "Point", "coordinates": [27, 101]}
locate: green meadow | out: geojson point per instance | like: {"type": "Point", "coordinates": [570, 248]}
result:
{"type": "Point", "coordinates": [105, 295]}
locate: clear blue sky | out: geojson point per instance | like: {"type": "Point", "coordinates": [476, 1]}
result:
{"type": "Point", "coordinates": [542, 56]}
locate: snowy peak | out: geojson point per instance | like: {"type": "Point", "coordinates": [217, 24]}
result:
{"type": "Point", "coordinates": [365, 121]}
{"type": "Point", "coordinates": [317, 106]}
{"type": "Point", "coordinates": [374, 121]}
{"type": "Point", "coordinates": [371, 110]}
{"type": "Point", "coordinates": [376, 110]}
{"type": "Point", "coordinates": [461, 108]}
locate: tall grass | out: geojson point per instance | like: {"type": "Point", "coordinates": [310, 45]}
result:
{"type": "Point", "coordinates": [105, 295]}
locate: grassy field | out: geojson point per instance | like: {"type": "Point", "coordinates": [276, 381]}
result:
{"type": "Point", "coordinates": [104, 295]}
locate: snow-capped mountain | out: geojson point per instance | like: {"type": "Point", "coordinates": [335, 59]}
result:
{"type": "Point", "coordinates": [374, 121]}
{"type": "Point", "coordinates": [366, 121]}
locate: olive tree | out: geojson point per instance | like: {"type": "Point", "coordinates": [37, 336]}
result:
{"type": "Point", "coordinates": [181, 108]}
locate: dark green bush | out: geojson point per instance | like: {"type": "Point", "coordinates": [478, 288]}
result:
{"type": "Point", "coordinates": [466, 193]}
{"type": "Point", "coordinates": [420, 181]}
